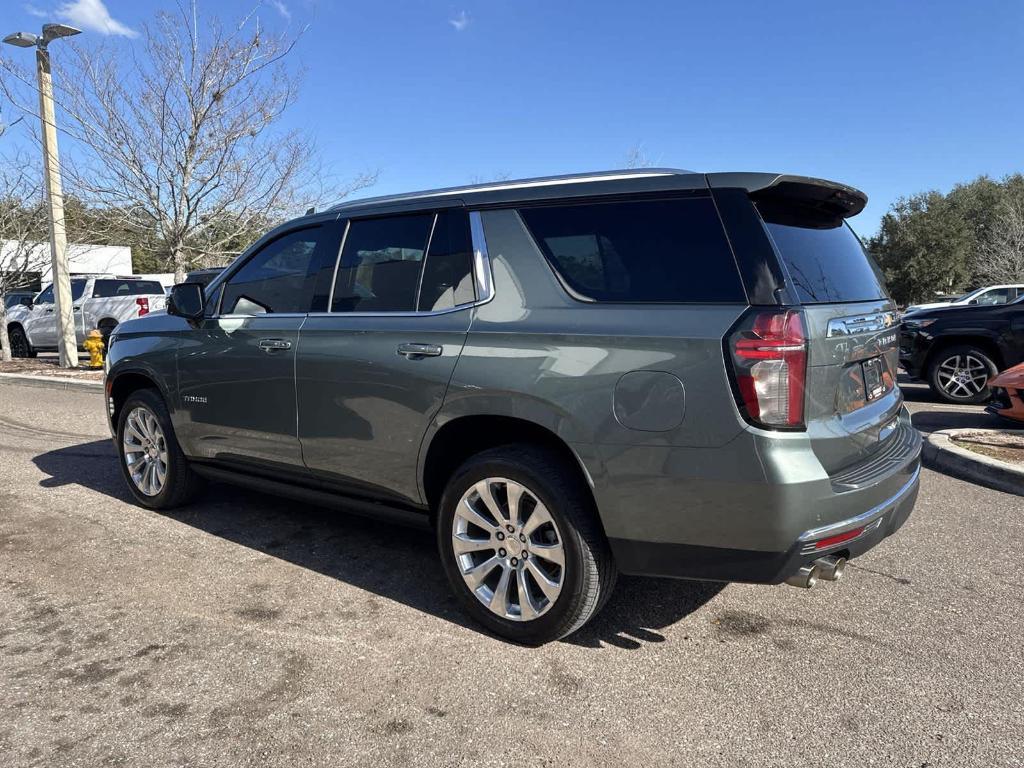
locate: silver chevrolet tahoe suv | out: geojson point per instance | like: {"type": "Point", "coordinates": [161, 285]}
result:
{"type": "Point", "coordinates": [651, 372]}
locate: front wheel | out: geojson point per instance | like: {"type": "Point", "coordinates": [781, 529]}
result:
{"type": "Point", "coordinates": [960, 374]}
{"type": "Point", "coordinates": [157, 472]}
{"type": "Point", "coordinates": [520, 544]}
{"type": "Point", "coordinates": [20, 346]}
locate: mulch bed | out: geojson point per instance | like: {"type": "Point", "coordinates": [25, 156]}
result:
{"type": "Point", "coordinates": [1005, 446]}
{"type": "Point", "coordinates": [49, 367]}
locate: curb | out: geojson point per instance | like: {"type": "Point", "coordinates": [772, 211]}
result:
{"type": "Point", "coordinates": [941, 453]}
{"type": "Point", "coordinates": [51, 382]}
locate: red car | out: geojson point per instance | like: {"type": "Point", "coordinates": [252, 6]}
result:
{"type": "Point", "coordinates": [1008, 393]}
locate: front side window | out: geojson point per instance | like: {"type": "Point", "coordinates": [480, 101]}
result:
{"type": "Point", "coordinates": [279, 278]}
{"type": "Point", "coordinates": [381, 263]}
{"type": "Point", "coordinates": [77, 289]}
{"type": "Point", "coordinates": [657, 251]}
{"type": "Point", "coordinates": [995, 296]}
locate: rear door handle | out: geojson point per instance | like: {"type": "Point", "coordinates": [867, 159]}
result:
{"type": "Point", "coordinates": [274, 345]}
{"type": "Point", "coordinates": [414, 351]}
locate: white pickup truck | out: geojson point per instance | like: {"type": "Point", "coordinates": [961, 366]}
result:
{"type": "Point", "coordinates": [98, 301]}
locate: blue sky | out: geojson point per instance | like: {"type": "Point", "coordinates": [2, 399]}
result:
{"type": "Point", "coordinates": [891, 97]}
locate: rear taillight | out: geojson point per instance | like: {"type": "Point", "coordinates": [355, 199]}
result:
{"type": "Point", "coordinates": [143, 306]}
{"type": "Point", "coordinates": [769, 358]}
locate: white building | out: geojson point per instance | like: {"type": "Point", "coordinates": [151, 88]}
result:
{"type": "Point", "coordinates": [82, 258]}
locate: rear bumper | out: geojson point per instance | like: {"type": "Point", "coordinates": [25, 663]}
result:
{"type": "Point", "coordinates": [764, 514]}
{"type": "Point", "coordinates": [718, 564]}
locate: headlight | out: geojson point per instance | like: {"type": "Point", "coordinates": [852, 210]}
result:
{"type": "Point", "coordinates": [913, 325]}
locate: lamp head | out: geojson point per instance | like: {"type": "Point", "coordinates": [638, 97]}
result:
{"type": "Point", "coordinates": [22, 39]}
{"type": "Point", "coordinates": [55, 31]}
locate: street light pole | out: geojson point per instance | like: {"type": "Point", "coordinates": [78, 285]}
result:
{"type": "Point", "coordinates": [67, 344]}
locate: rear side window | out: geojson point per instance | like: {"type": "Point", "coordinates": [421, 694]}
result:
{"type": "Point", "coordinates": [278, 278]}
{"type": "Point", "coordinates": [380, 264]}
{"type": "Point", "coordinates": [825, 260]}
{"type": "Point", "coordinates": [448, 273]}
{"type": "Point", "coordinates": [658, 251]}
{"type": "Point", "coordinates": [104, 289]}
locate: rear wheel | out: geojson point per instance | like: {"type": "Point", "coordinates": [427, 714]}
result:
{"type": "Point", "coordinates": [157, 472]}
{"type": "Point", "coordinates": [521, 546]}
{"type": "Point", "coordinates": [19, 342]}
{"type": "Point", "coordinates": [106, 327]}
{"type": "Point", "coordinates": [960, 374]}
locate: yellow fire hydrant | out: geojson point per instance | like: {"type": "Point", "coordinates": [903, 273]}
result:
{"type": "Point", "coordinates": [94, 346]}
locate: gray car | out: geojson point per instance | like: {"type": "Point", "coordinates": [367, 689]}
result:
{"type": "Point", "coordinates": [652, 372]}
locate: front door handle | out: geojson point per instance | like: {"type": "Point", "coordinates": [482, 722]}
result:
{"type": "Point", "coordinates": [274, 345]}
{"type": "Point", "coordinates": [416, 351]}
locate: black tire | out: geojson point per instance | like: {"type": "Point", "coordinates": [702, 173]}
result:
{"type": "Point", "coordinates": [180, 484]}
{"type": "Point", "coordinates": [20, 346]}
{"type": "Point", "coordinates": [106, 327]}
{"type": "Point", "coordinates": [960, 374]}
{"type": "Point", "coordinates": [589, 574]}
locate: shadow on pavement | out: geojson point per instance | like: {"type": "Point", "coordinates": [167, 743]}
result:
{"type": "Point", "coordinates": [389, 560]}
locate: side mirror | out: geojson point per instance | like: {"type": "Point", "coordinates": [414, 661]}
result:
{"type": "Point", "coordinates": [973, 301]}
{"type": "Point", "coordinates": [186, 300]}
{"type": "Point", "coordinates": [27, 302]}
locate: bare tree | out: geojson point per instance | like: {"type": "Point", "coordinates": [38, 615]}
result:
{"type": "Point", "coordinates": [179, 134]}
{"type": "Point", "coordinates": [23, 225]}
{"type": "Point", "coordinates": [637, 157]}
{"type": "Point", "coordinates": [1000, 257]}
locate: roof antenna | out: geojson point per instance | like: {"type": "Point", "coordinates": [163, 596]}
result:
{"type": "Point", "coordinates": [311, 210]}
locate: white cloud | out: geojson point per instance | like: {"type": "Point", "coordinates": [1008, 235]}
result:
{"type": "Point", "coordinates": [460, 21]}
{"type": "Point", "coordinates": [281, 8]}
{"type": "Point", "coordinates": [90, 15]}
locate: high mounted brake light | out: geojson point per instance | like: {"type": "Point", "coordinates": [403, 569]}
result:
{"type": "Point", "coordinates": [769, 359]}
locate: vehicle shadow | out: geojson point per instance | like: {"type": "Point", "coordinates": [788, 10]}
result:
{"type": "Point", "coordinates": [392, 561]}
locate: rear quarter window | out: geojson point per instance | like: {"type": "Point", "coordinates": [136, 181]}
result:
{"type": "Point", "coordinates": [825, 260]}
{"type": "Point", "coordinates": [652, 251]}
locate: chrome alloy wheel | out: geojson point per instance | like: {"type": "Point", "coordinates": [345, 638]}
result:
{"type": "Point", "coordinates": [508, 548]}
{"type": "Point", "coordinates": [145, 451]}
{"type": "Point", "coordinates": [962, 375]}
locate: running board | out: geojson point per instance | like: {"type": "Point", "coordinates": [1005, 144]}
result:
{"type": "Point", "coordinates": [377, 510]}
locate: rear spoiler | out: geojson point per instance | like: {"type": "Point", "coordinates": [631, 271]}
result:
{"type": "Point", "coordinates": [829, 197]}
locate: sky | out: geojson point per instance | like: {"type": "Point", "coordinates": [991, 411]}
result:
{"type": "Point", "coordinates": [891, 97]}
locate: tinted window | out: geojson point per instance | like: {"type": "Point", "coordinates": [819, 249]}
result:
{"type": "Point", "coordinates": [995, 296]}
{"type": "Point", "coordinates": [77, 289]}
{"type": "Point", "coordinates": [279, 278]}
{"type": "Point", "coordinates": [107, 288]}
{"type": "Point", "coordinates": [642, 251]}
{"type": "Point", "coordinates": [380, 264]}
{"type": "Point", "coordinates": [825, 260]}
{"type": "Point", "coordinates": [448, 272]}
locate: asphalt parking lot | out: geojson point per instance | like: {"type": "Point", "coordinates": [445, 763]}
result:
{"type": "Point", "coordinates": [247, 630]}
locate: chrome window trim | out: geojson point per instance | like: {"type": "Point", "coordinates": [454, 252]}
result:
{"type": "Point", "coordinates": [337, 264]}
{"type": "Point", "coordinates": [423, 264]}
{"type": "Point", "coordinates": [482, 274]}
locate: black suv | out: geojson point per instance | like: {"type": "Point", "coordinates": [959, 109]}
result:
{"type": "Point", "coordinates": [958, 349]}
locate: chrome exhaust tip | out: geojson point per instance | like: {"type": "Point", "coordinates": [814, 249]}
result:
{"type": "Point", "coordinates": [831, 568]}
{"type": "Point", "coordinates": [805, 578]}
